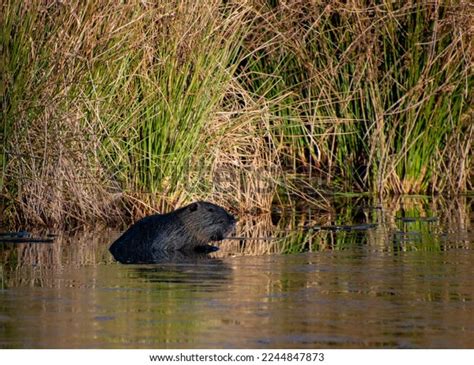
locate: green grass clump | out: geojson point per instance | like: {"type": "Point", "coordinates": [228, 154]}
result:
{"type": "Point", "coordinates": [109, 103]}
{"type": "Point", "coordinates": [378, 95]}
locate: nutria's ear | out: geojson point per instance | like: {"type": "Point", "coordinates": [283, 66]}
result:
{"type": "Point", "coordinates": [193, 207]}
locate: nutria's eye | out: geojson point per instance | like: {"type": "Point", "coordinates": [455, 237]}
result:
{"type": "Point", "coordinates": [210, 209]}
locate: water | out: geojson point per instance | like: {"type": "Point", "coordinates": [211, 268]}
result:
{"type": "Point", "coordinates": [402, 284]}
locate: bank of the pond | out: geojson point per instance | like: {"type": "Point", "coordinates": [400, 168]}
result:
{"type": "Point", "coordinates": [114, 110]}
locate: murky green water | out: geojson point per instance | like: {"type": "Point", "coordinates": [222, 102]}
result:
{"type": "Point", "coordinates": [403, 283]}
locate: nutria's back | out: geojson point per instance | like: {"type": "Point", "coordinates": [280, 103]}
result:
{"type": "Point", "coordinates": [184, 229]}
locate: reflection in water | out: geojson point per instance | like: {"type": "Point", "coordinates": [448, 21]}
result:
{"type": "Point", "coordinates": [402, 224]}
{"type": "Point", "coordinates": [404, 283]}
{"type": "Point", "coordinates": [162, 256]}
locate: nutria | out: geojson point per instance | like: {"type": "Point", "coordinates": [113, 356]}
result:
{"type": "Point", "coordinates": [186, 229]}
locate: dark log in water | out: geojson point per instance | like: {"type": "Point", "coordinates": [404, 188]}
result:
{"type": "Point", "coordinates": [23, 237]}
{"type": "Point", "coordinates": [355, 227]}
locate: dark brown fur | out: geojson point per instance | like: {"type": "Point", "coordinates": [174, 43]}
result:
{"type": "Point", "coordinates": [186, 229]}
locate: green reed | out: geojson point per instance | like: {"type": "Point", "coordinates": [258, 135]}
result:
{"type": "Point", "coordinates": [109, 101]}
{"type": "Point", "coordinates": [168, 90]}
{"type": "Point", "coordinates": [376, 93]}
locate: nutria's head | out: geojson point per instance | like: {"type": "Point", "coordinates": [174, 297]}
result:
{"type": "Point", "coordinates": [207, 221]}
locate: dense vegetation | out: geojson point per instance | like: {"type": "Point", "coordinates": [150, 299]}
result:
{"type": "Point", "coordinates": [113, 109]}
